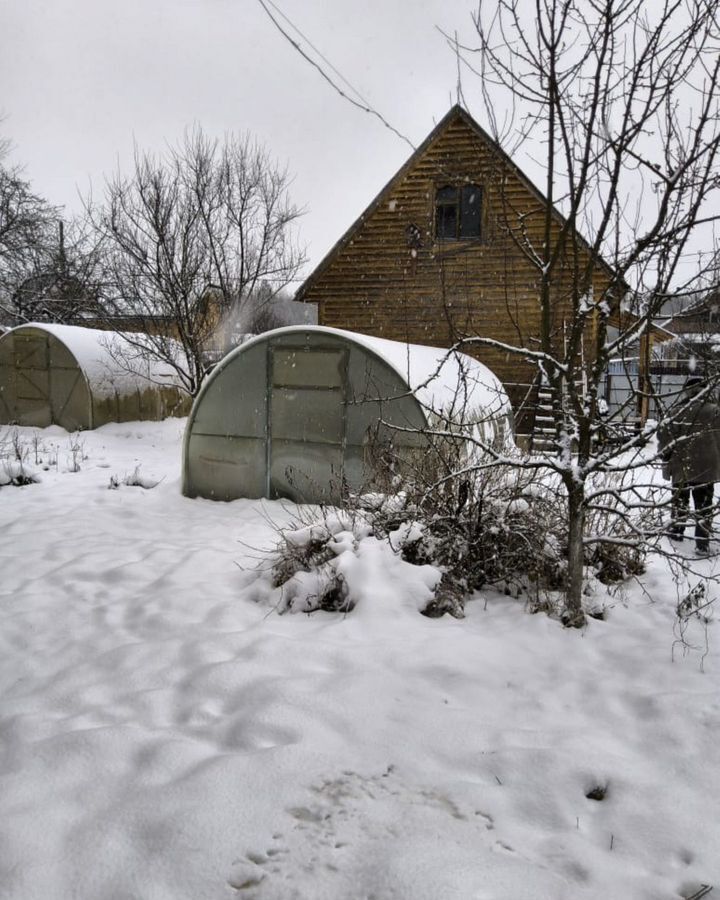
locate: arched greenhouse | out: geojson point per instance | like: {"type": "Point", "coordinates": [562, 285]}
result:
{"type": "Point", "coordinates": [80, 378]}
{"type": "Point", "coordinates": [295, 412]}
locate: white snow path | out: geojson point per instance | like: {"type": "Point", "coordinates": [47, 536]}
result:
{"type": "Point", "coordinates": [165, 737]}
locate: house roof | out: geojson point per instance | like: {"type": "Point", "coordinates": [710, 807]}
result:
{"type": "Point", "coordinates": [700, 316]}
{"type": "Point", "coordinates": [456, 113]}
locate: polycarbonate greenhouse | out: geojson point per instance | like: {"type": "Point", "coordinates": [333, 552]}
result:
{"type": "Point", "coordinates": [69, 376]}
{"type": "Point", "coordinates": [296, 412]}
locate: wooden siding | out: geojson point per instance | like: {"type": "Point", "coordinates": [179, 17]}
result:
{"type": "Point", "coordinates": [373, 282]}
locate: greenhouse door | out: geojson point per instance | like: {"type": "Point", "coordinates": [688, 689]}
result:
{"type": "Point", "coordinates": [32, 371]}
{"type": "Point", "coordinates": [306, 422]}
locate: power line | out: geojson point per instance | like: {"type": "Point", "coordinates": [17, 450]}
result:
{"type": "Point", "coordinates": [362, 104]}
{"type": "Point", "coordinates": [319, 53]}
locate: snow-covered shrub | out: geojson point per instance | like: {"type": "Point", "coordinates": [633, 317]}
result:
{"type": "Point", "coordinates": [337, 561]}
{"type": "Point", "coordinates": [135, 479]}
{"type": "Point", "coordinates": [504, 531]}
{"type": "Point", "coordinates": [614, 562]}
{"type": "Point", "coordinates": [15, 469]}
{"type": "Point", "coordinates": [303, 565]}
{"type": "Point", "coordinates": [16, 473]}
{"type": "Point", "coordinates": [481, 523]}
{"type": "Point", "coordinates": [504, 525]}
{"type": "Point", "coordinates": [76, 447]}
{"type": "Point", "coordinates": [490, 526]}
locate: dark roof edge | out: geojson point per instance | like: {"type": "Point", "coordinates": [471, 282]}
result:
{"type": "Point", "coordinates": [455, 112]}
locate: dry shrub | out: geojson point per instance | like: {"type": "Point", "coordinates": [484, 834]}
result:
{"type": "Point", "coordinates": [505, 525]}
{"type": "Point", "coordinates": [15, 470]}
{"type": "Point", "coordinates": [621, 520]}
{"type": "Point", "coordinates": [134, 479]}
{"type": "Point", "coordinates": [482, 524]}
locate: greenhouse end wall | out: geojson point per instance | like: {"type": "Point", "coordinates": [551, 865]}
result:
{"type": "Point", "coordinates": [41, 383]}
{"type": "Point", "coordinates": [294, 415]}
{"type": "Point", "coordinates": [302, 412]}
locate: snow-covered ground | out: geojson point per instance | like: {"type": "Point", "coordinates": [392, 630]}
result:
{"type": "Point", "coordinates": [165, 735]}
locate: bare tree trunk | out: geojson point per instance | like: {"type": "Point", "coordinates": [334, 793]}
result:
{"type": "Point", "coordinates": [573, 614]}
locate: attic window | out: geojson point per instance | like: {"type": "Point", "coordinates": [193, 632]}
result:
{"type": "Point", "coordinates": [458, 212]}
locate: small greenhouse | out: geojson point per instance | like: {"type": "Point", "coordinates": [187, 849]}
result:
{"type": "Point", "coordinates": [297, 412]}
{"type": "Point", "coordinates": [81, 378]}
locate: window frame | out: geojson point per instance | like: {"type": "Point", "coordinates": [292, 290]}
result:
{"type": "Point", "coordinates": [460, 205]}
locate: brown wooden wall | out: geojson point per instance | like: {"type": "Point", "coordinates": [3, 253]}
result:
{"type": "Point", "coordinates": [374, 283]}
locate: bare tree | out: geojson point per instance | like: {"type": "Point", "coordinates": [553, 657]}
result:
{"type": "Point", "coordinates": [190, 236]}
{"type": "Point", "coordinates": [619, 102]}
{"type": "Point", "coordinates": [25, 224]}
{"type": "Point", "coordinates": [62, 278]}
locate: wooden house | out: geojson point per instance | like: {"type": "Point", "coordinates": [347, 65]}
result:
{"type": "Point", "coordinates": [441, 254]}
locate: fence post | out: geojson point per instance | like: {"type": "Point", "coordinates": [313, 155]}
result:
{"type": "Point", "coordinates": [644, 379]}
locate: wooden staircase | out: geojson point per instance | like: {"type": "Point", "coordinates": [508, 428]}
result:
{"type": "Point", "coordinates": [535, 419]}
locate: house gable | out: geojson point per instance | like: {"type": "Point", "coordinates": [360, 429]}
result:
{"type": "Point", "coordinates": [390, 275]}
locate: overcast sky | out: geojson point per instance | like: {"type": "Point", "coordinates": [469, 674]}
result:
{"type": "Point", "coordinates": [82, 79]}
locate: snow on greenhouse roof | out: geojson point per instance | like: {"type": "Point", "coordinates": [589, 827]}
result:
{"type": "Point", "coordinates": [110, 363]}
{"type": "Point", "coordinates": [446, 382]}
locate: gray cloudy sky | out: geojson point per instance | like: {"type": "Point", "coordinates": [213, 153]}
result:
{"type": "Point", "coordinates": [82, 79]}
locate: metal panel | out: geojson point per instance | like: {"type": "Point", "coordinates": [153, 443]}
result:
{"type": "Point", "coordinates": [41, 382]}
{"type": "Point", "coordinates": [376, 392]}
{"type": "Point", "coordinates": [59, 356]}
{"type": "Point", "coordinates": [35, 413]}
